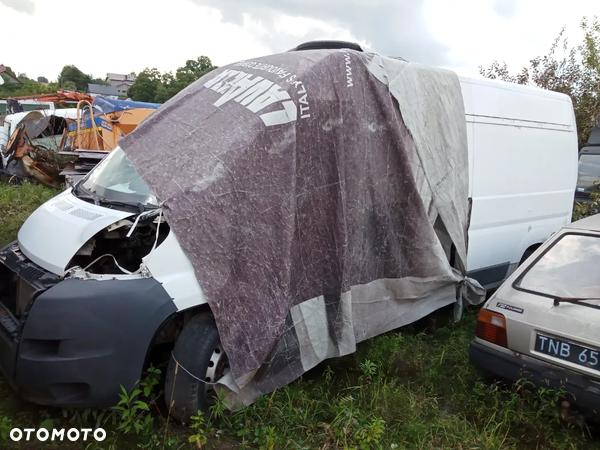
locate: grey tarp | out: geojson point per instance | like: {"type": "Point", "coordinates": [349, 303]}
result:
{"type": "Point", "coordinates": [321, 197]}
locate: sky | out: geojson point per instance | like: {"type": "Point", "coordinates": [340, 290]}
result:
{"type": "Point", "coordinates": [39, 37]}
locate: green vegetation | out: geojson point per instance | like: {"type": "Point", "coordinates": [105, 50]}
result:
{"type": "Point", "coordinates": [17, 202]}
{"type": "Point", "coordinates": [152, 86]}
{"type": "Point", "coordinates": [407, 389]}
{"type": "Point", "coordinates": [574, 71]}
{"type": "Point", "coordinates": [72, 78]}
{"type": "Point", "coordinates": [582, 210]}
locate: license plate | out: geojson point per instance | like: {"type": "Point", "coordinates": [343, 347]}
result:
{"type": "Point", "coordinates": [567, 351]}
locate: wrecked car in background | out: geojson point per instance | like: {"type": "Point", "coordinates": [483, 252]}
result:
{"type": "Point", "coordinates": [29, 142]}
{"type": "Point", "coordinates": [63, 145]}
{"type": "Point", "coordinates": [274, 214]}
{"type": "Point", "coordinates": [542, 324]}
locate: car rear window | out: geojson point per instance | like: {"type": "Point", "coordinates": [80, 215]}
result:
{"type": "Point", "coordinates": [570, 268]}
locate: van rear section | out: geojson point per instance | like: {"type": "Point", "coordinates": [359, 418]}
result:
{"type": "Point", "coordinates": [523, 172]}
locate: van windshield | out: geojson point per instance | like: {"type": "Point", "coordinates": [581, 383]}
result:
{"type": "Point", "coordinates": [115, 179]}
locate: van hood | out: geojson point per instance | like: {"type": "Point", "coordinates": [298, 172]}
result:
{"type": "Point", "coordinates": [52, 235]}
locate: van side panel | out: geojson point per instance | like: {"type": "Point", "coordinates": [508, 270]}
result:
{"type": "Point", "coordinates": [468, 103]}
{"type": "Point", "coordinates": [524, 173]}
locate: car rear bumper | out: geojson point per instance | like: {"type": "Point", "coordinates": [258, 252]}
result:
{"type": "Point", "coordinates": [579, 390]}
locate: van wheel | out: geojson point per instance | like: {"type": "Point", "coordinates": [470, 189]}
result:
{"type": "Point", "coordinates": [197, 351]}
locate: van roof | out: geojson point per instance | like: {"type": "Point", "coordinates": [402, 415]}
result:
{"type": "Point", "coordinates": [514, 87]}
{"type": "Point", "coordinates": [494, 99]}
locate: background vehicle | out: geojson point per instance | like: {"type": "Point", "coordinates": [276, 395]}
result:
{"type": "Point", "coordinates": [541, 324]}
{"type": "Point", "coordinates": [589, 167]}
{"type": "Point", "coordinates": [72, 338]}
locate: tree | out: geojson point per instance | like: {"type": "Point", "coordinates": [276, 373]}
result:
{"type": "Point", "coordinates": [42, 79]}
{"type": "Point", "coordinates": [72, 74]}
{"type": "Point", "coordinates": [575, 73]}
{"type": "Point", "coordinates": [152, 86]}
{"type": "Point", "coordinates": [146, 85]}
{"type": "Point", "coordinates": [26, 88]}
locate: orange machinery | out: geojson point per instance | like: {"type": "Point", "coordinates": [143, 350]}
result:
{"type": "Point", "coordinates": [102, 132]}
{"type": "Point", "coordinates": [59, 97]}
{"type": "Point", "coordinates": [116, 118]}
{"type": "Point", "coordinates": [101, 122]}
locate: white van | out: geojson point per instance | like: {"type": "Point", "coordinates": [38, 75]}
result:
{"type": "Point", "coordinates": [87, 333]}
{"type": "Point", "coordinates": [523, 160]}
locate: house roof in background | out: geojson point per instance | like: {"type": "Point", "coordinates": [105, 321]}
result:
{"type": "Point", "coordinates": [102, 89]}
{"type": "Point", "coordinates": [120, 77]}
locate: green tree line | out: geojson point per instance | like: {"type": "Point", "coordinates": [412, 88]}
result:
{"type": "Point", "coordinates": [152, 86]}
{"type": "Point", "coordinates": [570, 69]}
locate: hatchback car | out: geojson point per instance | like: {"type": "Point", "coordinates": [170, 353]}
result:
{"type": "Point", "coordinates": [543, 323]}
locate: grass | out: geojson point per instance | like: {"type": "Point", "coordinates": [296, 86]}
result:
{"type": "Point", "coordinates": [17, 202]}
{"type": "Point", "coordinates": [404, 390]}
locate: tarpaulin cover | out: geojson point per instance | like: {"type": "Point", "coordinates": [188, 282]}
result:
{"type": "Point", "coordinates": [103, 105]}
{"type": "Point", "coordinates": [321, 197]}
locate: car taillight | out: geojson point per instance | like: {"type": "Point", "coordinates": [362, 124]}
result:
{"type": "Point", "coordinates": [491, 326]}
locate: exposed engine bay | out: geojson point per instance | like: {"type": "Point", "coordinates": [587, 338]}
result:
{"type": "Point", "coordinates": [118, 249]}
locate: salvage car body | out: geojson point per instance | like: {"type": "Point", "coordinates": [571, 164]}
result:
{"type": "Point", "coordinates": [541, 324]}
{"type": "Point", "coordinates": [589, 167]}
{"type": "Point", "coordinates": [111, 268]}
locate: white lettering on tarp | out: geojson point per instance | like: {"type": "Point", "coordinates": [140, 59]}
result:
{"type": "Point", "coordinates": [281, 117]}
{"type": "Point", "coordinates": [253, 91]}
{"type": "Point", "coordinates": [282, 73]}
{"type": "Point", "coordinates": [241, 85]}
{"type": "Point", "coordinates": [349, 81]}
{"type": "Point", "coordinates": [220, 77]}
{"type": "Point", "coordinates": [270, 68]}
{"type": "Point", "coordinates": [274, 94]}
{"type": "Point", "coordinates": [226, 85]}
{"type": "Point", "coordinates": [256, 93]}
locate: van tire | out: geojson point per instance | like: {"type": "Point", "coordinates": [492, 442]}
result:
{"type": "Point", "coordinates": [197, 351]}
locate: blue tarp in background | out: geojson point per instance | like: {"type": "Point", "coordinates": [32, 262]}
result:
{"type": "Point", "coordinates": [103, 105]}
{"type": "Point", "coordinates": [106, 105]}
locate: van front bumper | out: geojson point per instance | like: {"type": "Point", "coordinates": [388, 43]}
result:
{"type": "Point", "coordinates": [79, 340]}
{"type": "Point", "coordinates": [579, 389]}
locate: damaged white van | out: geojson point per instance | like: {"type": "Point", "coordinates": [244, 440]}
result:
{"type": "Point", "coordinates": [99, 278]}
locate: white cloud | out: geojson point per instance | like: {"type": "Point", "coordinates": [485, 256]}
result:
{"type": "Point", "coordinates": [477, 34]}
{"type": "Point", "coordinates": [119, 36]}
{"type": "Point", "coordinates": [396, 27]}
{"type": "Point", "coordinates": [23, 6]}
{"type": "Point", "coordinates": [40, 36]}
